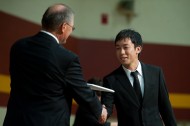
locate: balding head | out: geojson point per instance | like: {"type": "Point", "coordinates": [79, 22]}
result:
{"type": "Point", "coordinates": [55, 16]}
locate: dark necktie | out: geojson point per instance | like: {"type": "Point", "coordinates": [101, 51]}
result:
{"type": "Point", "coordinates": [136, 85]}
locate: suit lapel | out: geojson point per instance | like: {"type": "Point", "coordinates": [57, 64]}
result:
{"type": "Point", "coordinates": [125, 83]}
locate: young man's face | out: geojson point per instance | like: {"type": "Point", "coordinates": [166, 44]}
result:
{"type": "Point", "coordinates": [126, 52]}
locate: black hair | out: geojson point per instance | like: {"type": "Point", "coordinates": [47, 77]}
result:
{"type": "Point", "coordinates": [131, 34]}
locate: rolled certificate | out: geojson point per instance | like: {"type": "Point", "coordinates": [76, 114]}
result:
{"type": "Point", "coordinates": [99, 88]}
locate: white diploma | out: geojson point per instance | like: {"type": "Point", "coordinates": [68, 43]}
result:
{"type": "Point", "coordinates": [99, 88]}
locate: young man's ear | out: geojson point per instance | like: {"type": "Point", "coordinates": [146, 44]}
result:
{"type": "Point", "coordinates": [139, 49]}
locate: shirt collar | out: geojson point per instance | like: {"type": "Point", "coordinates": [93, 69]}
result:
{"type": "Point", "coordinates": [50, 35]}
{"type": "Point", "coordinates": [139, 69]}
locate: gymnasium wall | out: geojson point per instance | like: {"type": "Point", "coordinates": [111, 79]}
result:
{"type": "Point", "coordinates": [98, 59]}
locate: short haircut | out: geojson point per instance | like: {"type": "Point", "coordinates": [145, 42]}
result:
{"type": "Point", "coordinates": [131, 34]}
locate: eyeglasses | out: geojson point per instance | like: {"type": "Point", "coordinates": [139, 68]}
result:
{"type": "Point", "coordinates": [73, 28]}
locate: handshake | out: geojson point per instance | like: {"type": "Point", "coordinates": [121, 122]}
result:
{"type": "Point", "coordinates": [103, 116]}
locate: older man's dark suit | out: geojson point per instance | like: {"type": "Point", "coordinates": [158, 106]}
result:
{"type": "Point", "coordinates": [155, 105]}
{"type": "Point", "coordinates": [44, 78]}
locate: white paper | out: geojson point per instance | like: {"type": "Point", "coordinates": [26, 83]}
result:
{"type": "Point", "coordinates": [99, 88]}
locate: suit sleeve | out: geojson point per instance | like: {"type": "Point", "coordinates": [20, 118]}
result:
{"type": "Point", "coordinates": [82, 94]}
{"type": "Point", "coordinates": [164, 103]}
{"type": "Point", "coordinates": [108, 98]}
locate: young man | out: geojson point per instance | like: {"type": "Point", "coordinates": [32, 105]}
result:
{"type": "Point", "coordinates": [141, 97]}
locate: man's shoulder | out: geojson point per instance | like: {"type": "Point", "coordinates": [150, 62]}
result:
{"type": "Point", "coordinates": [113, 73]}
{"type": "Point", "coordinates": [20, 42]}
{"type": "Point", "coordinates": [151, 68]}
{"type": "Point", "coordinates": [66, 52]}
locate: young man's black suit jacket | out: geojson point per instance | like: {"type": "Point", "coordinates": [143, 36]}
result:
{"type": "Point", "coordinates": [44, 78]}
{"type": "Point", "coordinates": [155, 108]}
